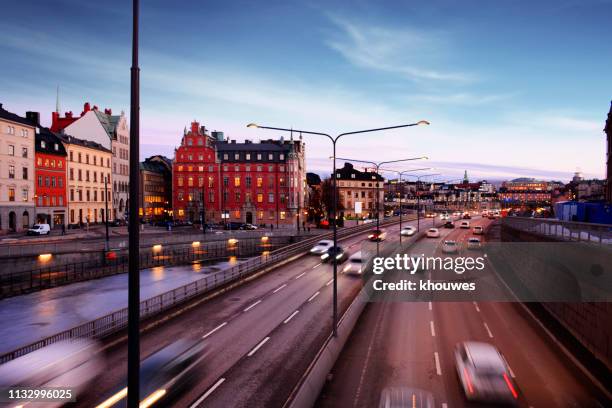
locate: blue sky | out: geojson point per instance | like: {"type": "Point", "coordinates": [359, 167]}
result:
{"type": "Point", "coordinates": [511, 88]}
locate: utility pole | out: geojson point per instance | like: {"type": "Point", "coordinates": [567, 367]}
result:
{"type": "Point", "coordinates": [106, 209]}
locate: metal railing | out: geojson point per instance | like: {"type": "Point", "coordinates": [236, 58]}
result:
{"type": "Point", "coordinates": [562, 230]}
{"type": "Point", "coordinates": [113, 322]}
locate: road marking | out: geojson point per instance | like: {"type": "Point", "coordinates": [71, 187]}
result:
{"type": "Point", "coordinates": [476, 306]}
{"type": "Point", "coordinates": [257, 347]}
{"type": "Point", "coordinates": [488, 330]}
{"type": "Point", "coordinates": [207, 393]}
{"type": "Point", "coordinates": [317, 265]}
{"type": "Point", "coordinates": [444, 405]}
{"type": "Point", "coordinates": [214, 330]}
{"type": "Point", "coordinates": [291, 316]}
{"type": "Point", "coordinates": [314, 296]}
{"type": "Point", "coordinates": [279, 288]}
{"type": "Point", "coordinates": [430, 305]}
{"type": "Point", "coordinates": [510, 370]}
{"type": "Point", "coordinates": [300, 275]}
{"type": "Point", "coordinates": [330, 281]}
{"type": "Point", "coordinates": [437, 359]}
{"type": "Point", "coordinates": [432, 328]}
{"type": "Point", "coordinates": [252, 306]}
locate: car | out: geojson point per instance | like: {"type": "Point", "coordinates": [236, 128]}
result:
{"type": "Point", "coordinates": [457, 213]}
{"type": "Point", "coordinates": [39, 229]}
{"type": "Point", "coordinates": [464, 224]}
{"type": "Point", "coordinates": [377, 235]}
{"type": "Point", "coordinates": [474, 243]}
{"type": "Point", "coordinates": [408, 231]}
{"type": "Point", "coordinates": [433, 233]}
{"type": "Point", "coordinates": [484, 374]}
{"type": "Point", "coordinates": [321, 247]}
{"type": "Point", "coordinates": [248, 226]}
{"type": "Point", "coordinates": [450, 246]}
{"type": "Point", "coordinates": [484, 214]}
{"type": "Point", "coordinates": [449, 224]}
{"type": "Point", "coordinates": [466, 216]}
{"type": "Point", "coordinates": [444, 216]}
{"type": "Point", "coordinates": [354, 265]}
{"type": "Point", "coordinates": [430, 215]}
{"type": "Point", "coordinates": [337, 253]}
{"type": "Point", "coordinates": [117, 222]}
{"type": "Point", "coordinates": [405, 397]}
{"type": "Point", "coordinates": [478, 230]}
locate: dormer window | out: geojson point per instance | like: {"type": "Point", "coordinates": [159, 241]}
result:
{"type": "Point", "coordinates": [352, 175]}
{"type": "Point", "coordinates": [43, 144]}
{"type": "Point", "coordinates": [56, 147]}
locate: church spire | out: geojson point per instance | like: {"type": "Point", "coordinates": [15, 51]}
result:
{"type": "Point", "coordinates": [465, 178]}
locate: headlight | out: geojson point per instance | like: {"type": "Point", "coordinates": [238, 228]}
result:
{"type": "Point", "coordinates": [324, 256]}
{"type": "Point", "coordinates": [346, 268]}
{"type": "Point", "coordinates": [338, 256]}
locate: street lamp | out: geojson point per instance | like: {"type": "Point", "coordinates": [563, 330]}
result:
{"type": "Point", "coordinates": [419, 177]}
{"type": "Point", "coordinates": [334, 140]}
{"type": "Point", "coordinates": [106, 209]}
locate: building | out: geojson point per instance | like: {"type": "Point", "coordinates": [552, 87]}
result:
{"type": "Point", "coordinates": [50, 179]}
{"type": "Point", "coordinates": [355, 186]}
{"type": "Point", "coordinates": [526, 192]}
{"type": "Point", "coordinates": [109, 131]}
{"type": "Point", "coordinates": [156, 188]}
{"type": "Point", "coordinates": [258, 183]}
{"type": "Point", "coordinates": [17, 209]}
{"type": "Point", "coordinates": [608, 131]}
{"type": "Point", "coordinates": [89, 177]}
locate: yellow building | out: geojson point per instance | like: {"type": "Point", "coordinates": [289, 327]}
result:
{"type": "Point", "coordinates": [88, 165]}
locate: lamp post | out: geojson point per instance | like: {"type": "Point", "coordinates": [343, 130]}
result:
{"type": "Point", "coordinates": [334, 140]}
{"type": "Point", "coordinates": [106, 210]}
{"type": "Point", "coordinates": [419, 177]}
{"type": "Point", "coordinates": [377, 165]}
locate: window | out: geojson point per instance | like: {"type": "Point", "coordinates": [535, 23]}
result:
{"type": "Point", "coordinates": [258, 156]}
{"type": "Point", "coordinates": [225, 156]}
{"type": "Point", "coordinates": [210, 169]}
{"type": "Point", "coordinates": [190, 181]}
{"type": "Point", "coordinates": [282, 157]}
{"type": "Point", "coordinates": [180, 181]}
{"type": "Point", "coordinates": [259, 198]}
{"type": "Point", "coordinates": [211, 182]}
{"type": "Point", "coordinates": [71, 174]}
{"type": "Point", "coordinates": [12, 172]}
{"type": "Point", "coordinates": [40, 181]}
{"type": "Point", "coordinates": [237, 181]}
{"type": "Point", "coordinates": [71, 195]}
{"type": "Point", "coordinates": [225, 196]}
{"type": "Point", "coordinates": [86, 175]}
{"type": "Point", "coordinates": [43, 144]}
{"type": "Point", "coordinates": [87, 194]}
{"type": "Point", "coordinates": [248, 156]}
{"type": "Point", "coordinates": [24, 152]}
{"type": "Point", "coordinates": [95, 174]}
{"type": "Point", "coordinates": [71, 159]}
{"type": "Point", "coordinates": [270, 168]}
{"type": "Point", "coordinates": [236, 156]}
{"type": "Point", "coordinates": [211, 196]}
{"type": "Point", "coordinates": [39, 162]}
{"type": "Point", "coordinates": [40, 201]}
{"type": "Point", "coordinates": [248, 181]}
{"type": "Point", "coordinates": [24, 195]}
{"type": "Point", "coordinates": [236, 168]}
{"type": "Point", "coordinates": [282, 215]}
{"type": "Point", "coordinates": [281, 168]}
{"type": "Point", "coordinates": [237, 196]}
{"type": "Point", "coordinates": [96, 195]}
{"type": "Point", "coordinates": [86, 159]}
{"type": "Point", "coordinates": [53, 181]}
{"type": "Point", "coordinates": [225, 181]}
{"type": "Point", "coordinates": [60, 201]}
{"type": "Point", "coordinates": [56, 148]}
{"type": "Point", "coordinates": [270, 197]}
{"type": "Point", "coordinates": [24, 171]}
{"type": "Point", "coordinates": [259, 182]}
{"type": "Point", "coordinates": [189, 142]}
{"type": "Point", "coordinates": [11, 194]}
{"type": "Point", "coordinates": [60, 182]}
{"type": "Point", "coordinates": [259, 168]}
{"type": "Point", "coordinates": [180, 196]}
{"type": "Point", "coordinates": [80, 195]}
{"type": "Point", "coordinates": [95, 160]}
{"type": "Point", "coordinates": [270, 156]}
{"type": "Point", "coordinates": [200, 181]}
{"type": "Point", "coordinates": [79, 159]}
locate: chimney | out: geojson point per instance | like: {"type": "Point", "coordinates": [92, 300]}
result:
{"type": "Point", "coordinates": [1, 106]}
{"type": "Point", "coordinates": [86, 108]}
{"type": "Point", "coordinates": [33, 117]}
{"type": "Point", "coordinates": [233, 141]}
{"type": "Point", "coordinates": [194, 127]}
{"type": "Point", "coordinates": [108, 111]}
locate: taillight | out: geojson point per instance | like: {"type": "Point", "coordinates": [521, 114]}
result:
{"type": "Point", "coordinates": [468, 380]}
{"type": "Point", "coordinates": [510, 386]}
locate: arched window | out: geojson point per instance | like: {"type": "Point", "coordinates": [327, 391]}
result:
{"type": "Point", "coordinates": [26, 219]}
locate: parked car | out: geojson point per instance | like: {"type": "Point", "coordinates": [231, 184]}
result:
{"type": "Point", "coordinates": [118, 223]}
{"type": "Point", "coordinates": [478, 230]}
{"type": "Point", "coordinates": [484, 374]}
{"type": "Point", "coordinates": [474, 243]}
{"type": "Point", "coordinates": [405, 397]}
{"type": "Point", "coordinates": [321, 247]}
{"type": "Point", "coordinates": [354, 265]}
{"type": "Point", "coordinates": [377, 235]}
{"type": "Point", "coordinates": [336, 253]}
{"type": "Point", "coordinates": [450, 247]}
{"type": "Point", "coordinates": [433, 233]}
{"type": "Point", "coordinates": [464, 225]}
{"type": "Point", "coordinates": [449, 224]}
{"type": "Point", "coordinates": [39, 229]}
{"type": "Point", "coordinates": [248, 226]}
{"type": "Point", "coordinates": [408, 231]}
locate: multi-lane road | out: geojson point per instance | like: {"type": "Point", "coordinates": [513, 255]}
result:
{"type": "Point", "coordinates": [411, 344]}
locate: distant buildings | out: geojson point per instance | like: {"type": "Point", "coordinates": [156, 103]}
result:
{"type": "Point", "coordinates": [608, 131]}
{"type": "Point", "coordinates": [525, 192]}
{"type": "Point", "coordinates": [359, 189]}
{"type": "Point", "coordinates": [156, 188]}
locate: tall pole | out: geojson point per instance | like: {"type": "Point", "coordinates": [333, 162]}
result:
{"type": "Point", "coordinates": [400, 206]}
{"type": "Point", "coordinates": [133, 397]}
{"type": "Point", "coordinates": [106, 210]}
{"type": "Point", "coordinates": [334, 209]}
{"type": "Point", "coordinates": [377, 211]}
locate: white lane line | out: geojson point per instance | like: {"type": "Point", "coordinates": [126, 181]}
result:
{"type": "Point", "coordinates": [488, 330]}
{"type": "Point", "coordinates": [510, 369]}
{"type": "Point", "coordinates": [314, 296]}
{"type": "Point", "coordinates": [290, 316]}
{"type": "Point", "coordinates": [476, 306]}
{"type": "Point", "coordinates": [252, 306]}
{"type": "Point", "coordinates": [430, 305]}
{"type": "Point", "coordinates": [257, 347]}
{"type": "Point", "coordinates": [330, 281]}
{"type": "Point", "coordinates": [432, 328]}
{"type": "Point", "coordinates": [437, 359]}
{"type": "Point", "coordinates": [317, 265]}
{"type": "Point", "coordinates": [207, 393]}
{"type": "Point", "coordinates": [300, 275]}
{"type": "Point", "coordinates": [214, 330]}
{"type": "Point", "coordinates": [279, 288]}
{"type": "Point", "coordinates": [444, 405]}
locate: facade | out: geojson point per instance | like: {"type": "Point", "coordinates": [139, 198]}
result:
{"type": "Point", "coordinates": [156, 188]}
{"type": "Point", "coordinates": [50, 179]}
{"type": "Point", "coordinates": [363, 187]}
{"type": "Point", "coordinates": [258, 183]}
{"type": "Point", "coordinates": [88, 167]}
{"type": "Point", "coordinates": [17, 209]}
{"type": "Point", "coordinates": [109, 131]}
{"type": "Point", "coordinates": [526, 191]}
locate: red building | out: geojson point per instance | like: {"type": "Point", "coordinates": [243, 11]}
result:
{"type": "Point", "coordinates": [50, 178]}
{"type": "Point", "coordinates": [258, 183]}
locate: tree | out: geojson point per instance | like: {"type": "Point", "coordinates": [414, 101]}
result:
{"type": "Point", "coordinates": [327, 198]}
{"type": "Point", "coordinates": [315, 206]}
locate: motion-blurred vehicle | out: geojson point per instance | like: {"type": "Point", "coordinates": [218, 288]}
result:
{"type": "Point", "coordinates": [405, 397]}
{"type": "Point", "coordinates": [377, 235]}
{"type": "Point", "coordinates": [464, 225]}
{"type": "Point", "coordinates": [430, 215]}
{"type": "Point", "coordinates": [466, 216]}
{"type": "Point", "coordinates": [449, 224]}
{"type": "Point", "coordinates": [39, 229]}
{"type": "Point", "coordinates": [336, 254]}
{"type": "Point", "coordinates": [484, 374]}
{"type": "Point", "coordinates": [65, 364]}
{"type": "Point", "coordinates": [474, 243]}
{"type": "Point", "coordinates": [117, 222]}
{"type": "Point", "coordinates": [408, 231]}
{"type": "Point", "coordinates": [484, 213]}
{"type": "Point", "coordinates": [478, 230]}
{"type": "Point", "coordinates": [444, 216]}
{"type": "Point", "coordinates": [321, 247]}
{"type": "Point", "coordinates": [433, 233]}
{"type": "Point", "coordinates": [450, 247]}
{"type": "Point", "coordinates": [248, 226]}
{"type": "Point", "coordinates": [354, 265]}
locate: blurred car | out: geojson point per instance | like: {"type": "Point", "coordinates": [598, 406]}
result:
{"type": "Point", "coordinates": [119, 223]}
{"type": "Point", "coordinates": [457, 213]}
{"type": "Point", "coordinates": [65, 364]}
{"type": "Point", "coordinates": [39, 229]}
{"type": "Point", "coordinates": [321, 247]}
{"type": "Point", "coordinates": [377, 235]}
{"type": "Point", "coordinates": [248, 226]}
{"type": "Point", "coordinates": [405, 397]}
{"type": "Point", "coordinates": [464, 224]}
{"type": "Point", "coordinates": [449, 224]}
{"type": "Point", "coordinates": [444, 216]}
{"type": "Point", "coordinates": [433, 233]}
{"type": "Point", "coordinates": [466, 216]}
{"type": "Point", "coordinates": [430, 215]}
{"type": "Point", "coordinates": [484, 213]}
{"type": "Point", "coordinates": [478, 230]}
{"type": "Point", "coordinates": [450, 246]}
{"type": "Point", "coordinates": [354, 265]}
{"type": "Point", "coordinates": [474, 243]}
{"type": "Point", "coordinates": [484, 374]}
{"type": "Point", "coordinates": [408, 231]}
{"type": "Point", "coordinates": [336, 253]}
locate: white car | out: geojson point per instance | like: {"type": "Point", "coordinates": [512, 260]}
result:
{"type": "Point", "coordinates": [464, 225]}
{"type": "Point", "coordinates": [39, 229]}
{"type": "Point", "coordinates": [433, 233]}
{"type": "Point", "coordinates": [408, 231]}
{"type": "Point", "coordinates": [474, 243]}
{"type": "Point", "coordinates": [354, 264]}
{"type": "Point", "coordinates": [321, 247]}
{"type": "Point", "coordinates": [478, 230]}
{"type": "Point", "coordinates": [484, 374]}
{"type": "Point", "coordinates": [450, 247]}
{"type": "Point", "coordinates": [444, 216]}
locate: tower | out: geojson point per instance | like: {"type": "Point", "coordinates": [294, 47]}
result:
{"type": "Point", "coordinates": [608, 131]}
{"type": "Point", "coordinates": [465, 178]}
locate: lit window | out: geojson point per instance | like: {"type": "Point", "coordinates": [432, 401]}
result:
{"type": "Point", "coordinates": [236, 181]}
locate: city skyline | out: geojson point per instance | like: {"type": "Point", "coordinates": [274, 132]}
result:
{"type": "Point", "coordinates": [338, 70]}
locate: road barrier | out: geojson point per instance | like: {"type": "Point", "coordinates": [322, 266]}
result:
{"type": "Point", "coordinates": [562, 230]}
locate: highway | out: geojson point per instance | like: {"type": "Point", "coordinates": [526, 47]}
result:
{"type": "Point", "coordinates": [260, 336]}
{"type": "Point", "coordinates": [412, 344]}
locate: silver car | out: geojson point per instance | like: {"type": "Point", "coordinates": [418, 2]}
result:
{"type": "Point", "coordinates": [321, 247]}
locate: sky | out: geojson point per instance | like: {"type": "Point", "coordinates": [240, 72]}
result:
{"type": "Point", "coordinates": [512, 89]}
